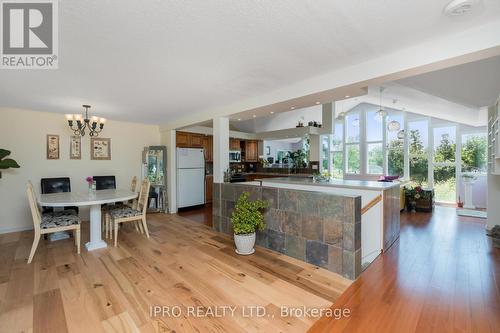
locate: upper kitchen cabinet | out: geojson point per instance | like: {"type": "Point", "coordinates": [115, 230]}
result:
{"type": "Point", "coordinates": [182, 139]}
{"type": "Point", "coordinates": [189, 140]}
{"type": "Point", "coordinates": [251, 151]}
{"type": "Point", "coordinates": [234, 144]}
{"type": "Point", "coordinates": [197, 140]}
{"type": "Point", "coordinates": [208, 146]}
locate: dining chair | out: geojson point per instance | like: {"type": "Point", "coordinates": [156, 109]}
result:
{"type": "Point", "coordinates": [104, 182]}
{"type": "Point", "coordinates": [107, 227]}
{"type": "Point", "coordinates": [132, 214]}
{"type": "Point", "coordinates": [51, 222]}
{"type": "Point", "coordinates": [56, 185]}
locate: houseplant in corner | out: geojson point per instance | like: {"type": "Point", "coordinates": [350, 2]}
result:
{"type": "Point", "coordinates": [6, 163]}
{"type": "Point", "coordinates": [246, 219]}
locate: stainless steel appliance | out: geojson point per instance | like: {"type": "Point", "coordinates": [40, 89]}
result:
{"type": "Point", "coordinates": [234, 156]}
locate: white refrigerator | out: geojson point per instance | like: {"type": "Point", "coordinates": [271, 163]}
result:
{"type": "Point", "coordinates": [190, 177]}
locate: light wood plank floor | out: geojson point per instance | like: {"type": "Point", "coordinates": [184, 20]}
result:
{"type": "Point", "coordinates": [184, 264]}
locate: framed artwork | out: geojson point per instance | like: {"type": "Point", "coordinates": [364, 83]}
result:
{"type": "Point", "coordinates": [75, 147]}
{"type": "Point", "coordinates": [268, 150]}
{"type": "Point", "coordinates": [52, 147]}
{"type": "Point", "coordinates": [100, 149]}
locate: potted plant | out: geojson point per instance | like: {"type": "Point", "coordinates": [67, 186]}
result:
{"type": "Point", "coordinates": [6, 163]}
{"type": "Point", "coordinates": [246, 219]}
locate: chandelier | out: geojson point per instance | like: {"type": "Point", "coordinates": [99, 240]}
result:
{"type": "Point", "coordinates": [94, 124]}
{"type": "Point", "coordinates": [381, 113]}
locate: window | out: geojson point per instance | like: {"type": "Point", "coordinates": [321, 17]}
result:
{"type": "Point", "coordinates": [374, 147]}
{"type": "Point", "coordinates": [395, 147]}
{"type": "Point", "coordinates": [444, 150]}
{"type": "Point", "coordinates": [325, 152]}
{"type": "Point", "coordinates": [474, 152]}
{"type": "Point", "coordinates": [337, 152]}
{"type": "Point", "coordinates": [418, 133]}
{"type": "Point", "coordinates": [353, 163]}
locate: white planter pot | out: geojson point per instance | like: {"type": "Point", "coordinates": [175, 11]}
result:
{"type": "Point", "coordinates": [245, 243]}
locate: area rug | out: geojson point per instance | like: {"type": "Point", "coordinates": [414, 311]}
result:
{"type": "Point", "coordinates": [472, 213]}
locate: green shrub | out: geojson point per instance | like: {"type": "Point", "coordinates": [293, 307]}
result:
{"type": "Point", "coordinates": [247, 215]}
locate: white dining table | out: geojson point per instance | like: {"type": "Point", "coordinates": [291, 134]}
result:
{"type": "Point", "coordinates": [93, 199]}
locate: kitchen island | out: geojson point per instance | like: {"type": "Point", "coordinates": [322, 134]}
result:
{"type": "Point", "coordinates": [340, 225]}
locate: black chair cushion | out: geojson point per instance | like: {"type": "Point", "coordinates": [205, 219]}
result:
{"type": "Point", "coordinates": [105, 182]}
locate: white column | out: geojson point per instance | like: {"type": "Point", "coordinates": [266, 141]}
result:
{"type": "Point", "coordinates": [221, 148]}
{"type": "Point", "coordinates": [168, 139]}
{"type": "Point", "coordinates": [328, 118]}
{"type": "Point", "coordinates": [96, 241]}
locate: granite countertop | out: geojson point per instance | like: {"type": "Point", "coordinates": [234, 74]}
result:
{"type": "Point", "coordinates": [355, 184]}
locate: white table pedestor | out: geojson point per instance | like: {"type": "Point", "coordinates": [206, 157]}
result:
{"type": "Point", "coordinates": [96, 241]}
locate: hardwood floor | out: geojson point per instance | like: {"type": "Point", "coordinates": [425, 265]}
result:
{"type": "Point", "coordinates": [183, 264]}
{"type": "Point", "coordinates": [201, 215]}
{"type": "Point", "coordinates": [442, 275]}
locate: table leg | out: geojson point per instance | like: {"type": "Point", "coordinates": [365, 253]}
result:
{"type": "Point", "coordinates": [96, 241]}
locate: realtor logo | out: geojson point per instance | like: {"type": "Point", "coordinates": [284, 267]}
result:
{"type": "Point", "coordinates": [29, 35]}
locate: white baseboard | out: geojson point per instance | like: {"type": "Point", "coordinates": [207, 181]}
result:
{"type": "Point", "coordinates": [14, 229]}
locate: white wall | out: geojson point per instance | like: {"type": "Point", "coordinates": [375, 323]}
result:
{"type": "Point", "coordinates": [493, 194]}
{"type": "Point", "coordinates": [24, 134]}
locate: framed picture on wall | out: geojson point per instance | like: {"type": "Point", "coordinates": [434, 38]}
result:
{"type": "Point", "coordinates": [52, 147]}
{"type": "Point", "coordinates": [268, 150]}
{"type": "Point", "coordinates": [75, 147]}
{"type": "Point", "coordinates": [100, 149]}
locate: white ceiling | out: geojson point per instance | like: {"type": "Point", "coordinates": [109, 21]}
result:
{"type": "Point", "coordinates": [155, 61]}
{"type": "Point", "coordinates": [475, 84]}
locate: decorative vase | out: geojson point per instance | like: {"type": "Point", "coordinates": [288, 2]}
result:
{"type": "Point", "coordinates": [245, 243]}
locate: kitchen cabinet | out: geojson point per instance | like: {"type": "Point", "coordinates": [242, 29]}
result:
{"type": "Point", "coordinates": [196, 140]}
{"type": "Point", "coordinates": [183, 139]}
{"type": "Point", "coordinates": [234, 144]}
{"type": "Point", "coordinates": [251, 151]}
{"type": "Point", "coordinates": [209, 182]}
{"type": "Point", "coordinates": [208, 146]}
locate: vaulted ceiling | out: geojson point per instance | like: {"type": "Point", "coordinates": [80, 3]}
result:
{"type": "Point", "coordinates": [155, 61]}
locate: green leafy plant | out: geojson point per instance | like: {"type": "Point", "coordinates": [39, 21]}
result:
{"type": "Point", "coordinates": [6, 163]}
{"type": "Point", "coordinates": [247, 215]}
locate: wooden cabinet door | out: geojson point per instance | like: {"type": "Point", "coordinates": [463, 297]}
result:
{"type": "Point", "coordinates": [208, 146]}
{"type": "Point", "coordinates": [209, 182]}
{"type": "Point", "coordinates": [251, 151]}
{"type": "Point", "coordinates": [196, 140]}
{"type": "Point", "coordinates": [234, 144]}
{"type": "Point", "coordinates": [182, 139]}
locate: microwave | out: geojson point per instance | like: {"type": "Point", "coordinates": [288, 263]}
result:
{"type": "Point", "coordinates": [234, 156]}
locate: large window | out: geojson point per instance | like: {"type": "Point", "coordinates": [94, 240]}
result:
{"type": "Point", "coordinates": [395, 146]}
{"type": "Point", "coordinates": [374, 147]}
{"type": "Point", "coordinates": [474, 152]}
{"type": "Point", "coordinates": [418, 134]}
{"type": "Point", "coordinates": [444, 173]}
{"type": "Point", "coordinates": [337, 152]}
{"type": "Point", "coordinates": [353, 156]}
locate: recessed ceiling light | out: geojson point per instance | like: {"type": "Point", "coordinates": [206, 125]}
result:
{"type": "Point", "coordinates": [317, 103]}
{"type": "Point", "coordinates": [459, 7]}
{"type": "Point", "coordinates": [347, 96]}
{"type": "Point", "coordinates": [254, 116]}
{"type": "Point", "coordinates": [272, 112]}
{"type": "Point", "coordinates": [293, 108]}
{"type": "Point", "coordinates": [239, 119]}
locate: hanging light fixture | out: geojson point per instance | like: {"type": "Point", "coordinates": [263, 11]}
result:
{"type": "Point", "coordinates": [342, 113]}
{"type": "Point", "coordinates": [381, 113]}
{"type": "Point", "coordinates": [94, 124]}
{"type": "Point", "coordinates": [393, 126]}
{"type": "Point", "coordinates": [401, 134]}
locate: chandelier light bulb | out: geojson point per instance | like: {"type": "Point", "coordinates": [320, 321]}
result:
{"type": "Point", "coordinates": [69, 117]}
{"type": "Point", "coordinates": [102, 121]}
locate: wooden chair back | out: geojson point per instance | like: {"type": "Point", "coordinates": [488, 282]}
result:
{"type": "Point", "coordinates": [133, 186]}
{"type": "Point", "coordinates": [142, 202]}
{"type": "Point", "coordinates": [35, 211]}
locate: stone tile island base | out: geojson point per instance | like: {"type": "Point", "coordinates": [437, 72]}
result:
{"type": "Point", "coordinates": [319, 228]}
